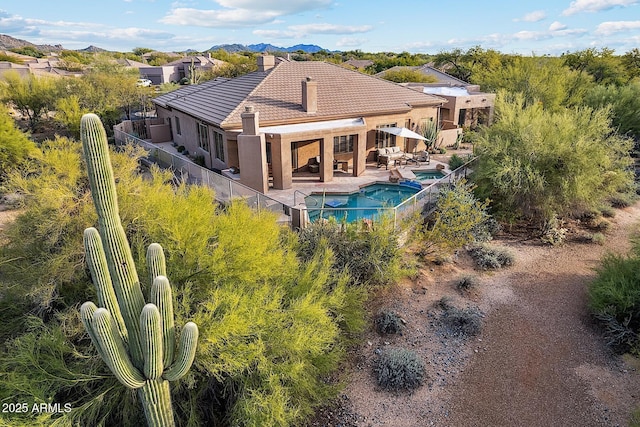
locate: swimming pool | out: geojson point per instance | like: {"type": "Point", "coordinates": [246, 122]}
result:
{"type": "Point", "coordinates": [422, 175]}
{"type": "Point", "coordinates": [368, 201]}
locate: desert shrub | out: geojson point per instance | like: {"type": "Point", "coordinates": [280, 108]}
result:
{"type": "Point", "coordinates": [272, 326]}
{"type": "Point", "coordinates": [455, 162]}
{"type": "Point", "coordinates": [553, 233]}
{"type": "Point", "coordinates": [614, 298]}
{"type": "Point", "coordinates": [487, 257]}
{"type": "Point", "coordinates": [623, 199]}
{"type": "Point", "coordinates": [459, 219]}
{"type": "Point", "coordinates": [369, 257]}
{"type": "Point", "coordinates": [598, 238]}
{"type": "Point", "coordinates": [466, 283]}
{"type": "Point", "coordinates": [607, 211]}
{"type": "Point", "coordinates": [599, 224]}
{"type": "Point", "coordinates": [534, 162]}
{"type": "Point", "coordinates": [181, 148]}
{"type": "Point", "coordinates": [15, 146]}
{"type": "Point", "coordinates": [388, 322]}
{"type": "Point", "coordinates": [461, 323]}
{"type": "Point", "coordinates": [399, 369]}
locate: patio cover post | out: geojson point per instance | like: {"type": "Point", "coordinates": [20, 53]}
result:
{"type": "Point", "coordinates": [360, 154]}
{"type": "Point", "coordinates": [326, 160]}
{"type": "Point", "coordinates": [281, 163]}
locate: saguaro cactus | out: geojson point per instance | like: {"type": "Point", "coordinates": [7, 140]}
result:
{"type": "Point", "coordinates": [136, 341]}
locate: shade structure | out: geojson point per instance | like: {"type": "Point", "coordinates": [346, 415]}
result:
{"type": "Point", "coordinates": [403, 132]}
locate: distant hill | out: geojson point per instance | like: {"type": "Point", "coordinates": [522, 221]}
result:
{"type": "Point", "coordinates": [266, 47]}
{"type": "Point", "coordinates": [92, 49]}
{"type": "Point", "coordinates": [8, 42]}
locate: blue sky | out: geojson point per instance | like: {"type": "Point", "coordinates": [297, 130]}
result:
{"type": "Point", "coordinates": [525, 27]}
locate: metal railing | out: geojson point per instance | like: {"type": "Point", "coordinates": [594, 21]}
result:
{"type": "Point", "coordinates": [225, 189]}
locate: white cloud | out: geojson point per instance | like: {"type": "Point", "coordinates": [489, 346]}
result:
{"type": "Point", "coordinates": [535, 16]}
{"type": "Point", "coordinates": [285, 7]}
{"type": "Point", "coordinates": [330, 29]}
{"type": "Point", "coordinates": [579, 6]}
{"type": "Point", "coordinates": [612, 27]}
{"type": "Point", "coordinates": [300, 31]}
{"type": "Point", "coordinates": [240, 12]}
{"type": "Point", "coordinates": [218, 18]}
{"type": "Point", "coordinates": [557, 26]}
{"type": "Point", "coordinates": [276, 34]}
{"type": "Point", "coordinates": [350, 42]}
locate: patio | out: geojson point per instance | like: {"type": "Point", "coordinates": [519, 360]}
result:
{"type": "Point", "coordinates": [305, 183]}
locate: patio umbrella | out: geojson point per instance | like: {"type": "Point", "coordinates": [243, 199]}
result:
{"type": "Point", "coordinates": [403, 132]}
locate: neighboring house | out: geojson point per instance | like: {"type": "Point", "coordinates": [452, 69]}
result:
{"type": "Point", "coordinates": [358, 64]}
{"type": "Point", "coordinates": [21, 69]}
{"type": "Point", "coordinates": [279, 119]}
{"type": "Point", "coordinates": [466, 105]}
{"type": "Point", "coordinates": [46, 67]}
{"type": "Point", "coordinates": [176, 70]}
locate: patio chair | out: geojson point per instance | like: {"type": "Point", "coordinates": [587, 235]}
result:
{"type": "Point", "coordinates": [314, 164]}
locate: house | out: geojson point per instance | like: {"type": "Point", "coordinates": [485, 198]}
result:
{"type": "Point", "coordinates": [358, 64]}
{"type": "Point", "coordinates": [467, 105]}
{"type": "Point", "coordinates": [281, 118]}
{"type": "Point", "coordinates": [176, 70]}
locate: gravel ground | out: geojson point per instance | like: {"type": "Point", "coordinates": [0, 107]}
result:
{"type": "Point", "coordinates": [539, 360]}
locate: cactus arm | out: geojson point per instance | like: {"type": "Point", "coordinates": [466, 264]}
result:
{"type": "Point", "coordinates": [112, 347]}
{"type": "Point", "coordinates": [97, 262]}
{"type": "Point", "coordinates": [161, 296]}
{"type": "Point", "coordinates": [86, 316]}
{"type": "Point", "coordinates": [151, 334]}
{"type": "Point", "coordinates": [116, 246]}
{"type": "Point", "coordinates": [156, 263]}
{"type": "Point", "coordinates": [186, 353]}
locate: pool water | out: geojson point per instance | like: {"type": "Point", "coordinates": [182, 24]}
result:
{"type": "Point", "coordinates": [422, 175]}
{"type": "Point", "coordinates": [371, 198]}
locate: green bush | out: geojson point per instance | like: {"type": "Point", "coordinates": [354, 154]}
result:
{"type": "Point", "coordinates": [272, 326]}
{"type": "Point", "coordinates": [370, 257]}
{"type": "Point", "coordinates": [598, 238]}
{"type": "Point", "coordinates": [399, 369]}
{"type": "Point", "coordinates": [455, 162]}
{"type": "Point", "coordinates": [388, 322]}
{"type": "Point", "coordinates": [553, 233]}
{"type": "Point", "coordinates": [15, 146]}
{"type": "Point", "coordinates": [614, 298]}
{"type": "Point", "coordinates": [534, 162]}
{"type": "Point", "coordinates": [487, 257]}
{"type": "Point", "coordinates": [459, 219]}
{"type": "Point", "coordinates": [466, 283]}
{"type": "Point", "coordinates": [461, 323]}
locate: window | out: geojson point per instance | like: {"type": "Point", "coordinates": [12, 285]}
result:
{"type": "Point", "coordinates": [218, 145]}
{"type": "Point", "coordinates": [203, 136]}
{"type": "Point", "coordinates": [343, 144]}
{"type": "Point", "coordinates": [385, 139]}
{"type": "Point", "coordinates": [178, 131]}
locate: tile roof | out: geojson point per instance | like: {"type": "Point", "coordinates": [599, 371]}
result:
{"type": "Point", "coordinates": [277, 95]}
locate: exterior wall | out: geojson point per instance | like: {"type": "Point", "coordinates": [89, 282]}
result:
{"type": "Point", "coordinates": [160, 75]}
{"type": "Point", "coordinates": [482, 101]}
{"type": "Point", "coordinates": [188, 137]}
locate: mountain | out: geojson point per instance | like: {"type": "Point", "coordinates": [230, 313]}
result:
{"type": "Point", "coordinates": [267, 47]}
{"type": "Point", "coordinates": [8, 42]}
{"type": "Point", "coordinates": [92, 49]}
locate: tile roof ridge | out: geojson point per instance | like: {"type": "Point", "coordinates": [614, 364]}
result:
{"type": "Point", "coordinates": [242, 103]}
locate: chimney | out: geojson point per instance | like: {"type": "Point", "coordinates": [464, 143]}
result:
{"type": "Point", "coordinates": [266, 62]}
{"type": "Point", "coordinates": [310, 95]}
{"type": "Point", "coordinates": [250, 121]}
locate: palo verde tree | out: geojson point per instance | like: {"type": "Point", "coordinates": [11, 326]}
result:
{"type": "Point", "coordinates": [535, 163]}
{"type": "Point", "coordinates": [15, 146]}
{"type": "Point", "coordinates": [32, 96]}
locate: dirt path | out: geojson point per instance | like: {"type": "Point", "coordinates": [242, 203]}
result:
{"type": "Point", "coordinates": [538, 362]}
{"type": "Point", "coordinates": [545, 365]}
